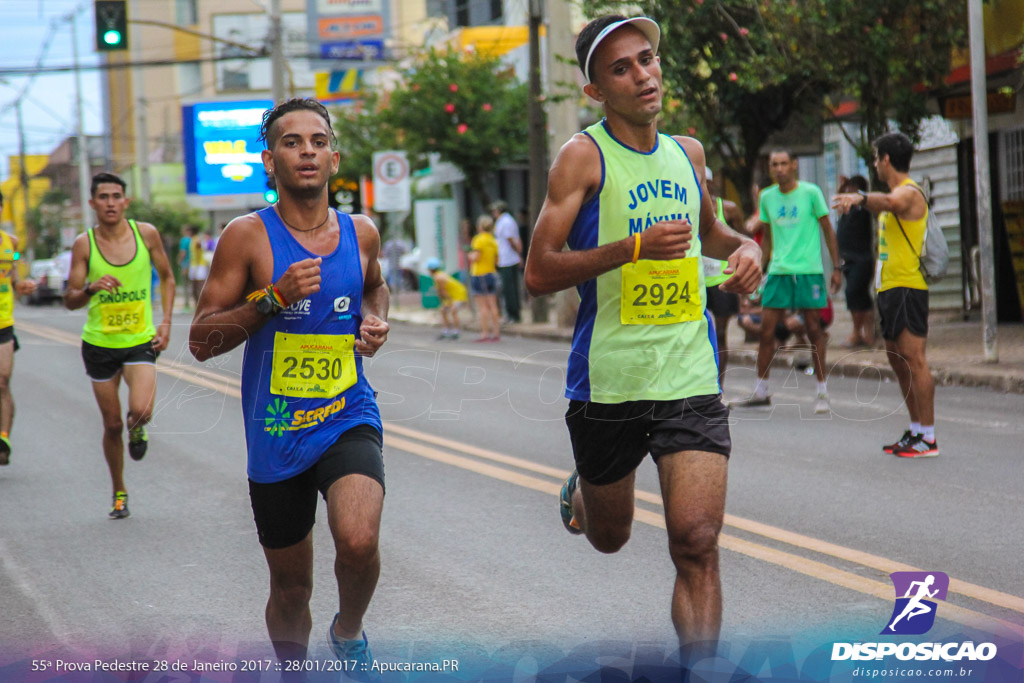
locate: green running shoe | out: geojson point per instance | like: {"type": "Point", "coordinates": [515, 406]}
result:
{"type": "Point", "coordinates": [120, 507]}
{"type": "Point", "coordinates": [138, 442]}
{"type": "Point", "coordinates": [569, 520]}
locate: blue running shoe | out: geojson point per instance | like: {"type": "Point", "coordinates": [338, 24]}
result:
{"type": "Point", "coordinates": [355, 654]}
{"type": "Point", "coordinates": [565, 504]}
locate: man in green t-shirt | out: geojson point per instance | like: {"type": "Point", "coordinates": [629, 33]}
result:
{"type": "Point", "coordinates": [791, 214]}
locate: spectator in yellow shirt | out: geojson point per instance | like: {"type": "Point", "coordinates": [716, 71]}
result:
{"type": "Point", "coordinates": [483, 268]}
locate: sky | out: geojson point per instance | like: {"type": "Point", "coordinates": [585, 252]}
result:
{"type": "Point", "coordinates": [48, 104]}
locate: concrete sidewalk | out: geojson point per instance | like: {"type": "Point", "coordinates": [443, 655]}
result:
{"type": "Point", "coordinates": [955, 347]}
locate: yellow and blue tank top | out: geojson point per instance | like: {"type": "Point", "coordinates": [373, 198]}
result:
{"type": "Point", "coordinates": [7, 265]}
{"type": "Point", "coordinates": [302, 383]}
{"type": "Point", "coordinates": [121, 319]}
{"type": "Point", "coordinates": [642, 331]}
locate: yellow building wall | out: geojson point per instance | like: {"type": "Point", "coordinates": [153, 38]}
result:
{"type": "Point", "coordinates": [14, 198]}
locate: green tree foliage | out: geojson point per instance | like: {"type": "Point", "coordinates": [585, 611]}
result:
{"type": "Point", "coordinates": [362, 129]}
{"type": "Point", "coordinates": [738, 71]}
{"type": "Point", "coordinates": [169, 220]}
{"type": "Point", "coordinates": [46, 220]}
{"type": "Point", "coordinates": [894, 53]}
{"type": "Point", "coordinates": [466, 107]}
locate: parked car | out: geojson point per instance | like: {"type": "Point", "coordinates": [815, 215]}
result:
{"type": "Point", "coordinates": [49, 282]}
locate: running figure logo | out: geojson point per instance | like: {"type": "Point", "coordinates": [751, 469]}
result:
{"type": "Point", "coordinates": [916, 592]}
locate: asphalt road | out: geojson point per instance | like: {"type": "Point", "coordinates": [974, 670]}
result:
{"type": "Point", "coordinates": [474, 555]}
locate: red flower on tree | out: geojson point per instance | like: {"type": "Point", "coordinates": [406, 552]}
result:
{"type": "Point", "coordinates": [462, 128]}
{"type": "Point", "coordinates": [450, 108]}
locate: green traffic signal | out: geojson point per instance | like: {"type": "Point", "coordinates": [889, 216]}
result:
{"type": "Point", "coordinates": [111, 18]}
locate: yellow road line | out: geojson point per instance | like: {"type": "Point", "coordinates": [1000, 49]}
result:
{"type": "Point", "coordinates": [802, 565]}
{"type": "Point", "coordinates": [230, 386]}
{"type": "Point", "coordinates": [869, 560]}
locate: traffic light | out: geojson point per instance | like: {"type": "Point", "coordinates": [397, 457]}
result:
{"type": "Point", "coordinates": [270, 194]}
{"type": "Point", "coordinates": [111, 25]}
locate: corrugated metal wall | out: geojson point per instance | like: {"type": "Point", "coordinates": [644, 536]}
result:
{"type": "Point", "coordinates": [936, 170]}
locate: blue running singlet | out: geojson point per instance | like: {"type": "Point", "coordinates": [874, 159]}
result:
{"type": "Point", "coordinates": [302, 384]}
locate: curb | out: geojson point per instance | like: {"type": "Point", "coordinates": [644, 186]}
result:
{"type": "Point", "coordinates": [993, 378]}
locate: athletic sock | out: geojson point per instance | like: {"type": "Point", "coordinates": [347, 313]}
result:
{"type": "Point", "coordinates": [761, 388]}
{"type": "Point", "coordinates": [822, 389]}
{"type": "Point", "coordinates": [928, 432]}
{"type": "Point", "coordinates": [915, 428]}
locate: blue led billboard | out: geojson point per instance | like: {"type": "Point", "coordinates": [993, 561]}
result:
{"type": "Point", "coordinates": [222, 153]}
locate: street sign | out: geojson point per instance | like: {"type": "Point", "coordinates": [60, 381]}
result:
{"type": "Point", "coordinates": [391, 190]}
{"type": "Point", "coordinates": [354, 50]}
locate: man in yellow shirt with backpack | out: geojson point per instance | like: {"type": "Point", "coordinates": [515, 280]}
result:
{"type": "Point", "coordinates": [902, 289]}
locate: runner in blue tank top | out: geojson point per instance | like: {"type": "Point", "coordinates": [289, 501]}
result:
{"type": "Point", "coordinates": [300, 285]}
{"type": "Point", "coordinates": [632, 205]}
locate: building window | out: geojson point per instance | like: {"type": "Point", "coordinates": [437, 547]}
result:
{"type": "Point", "coordinates": [497, 11]}
{"type": "Point", "coordinates": [461, 12]}
{"type": "Point", "coordinates": [190, 81]}
{"type": "Point", "coordinates": [187, 12]}
{"type": "Point", "coordinates": [1013, 165]}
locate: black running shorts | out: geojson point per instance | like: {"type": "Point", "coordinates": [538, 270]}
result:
{"type": "Point", "coordinates": [903, 308]}
{"type": "Point", "coordinates": [285, 511]}
{"type": "Point", "coordinates": [722, 304]}
{"type": "Point", "coordinates": [7, 335]}
{"type": "Point", "coordinates": [859, 275]}
{"type": "Point", "coordinates": [101, 363]}
{"type": "Point", "coordinates": [611, 440]}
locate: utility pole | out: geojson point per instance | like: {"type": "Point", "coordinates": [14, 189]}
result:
{"type": "Point", "coordinates": [982, 179]}
{"type": "Point", "coordinates": [276, 39]}
{"type": "Point", "coordinates": [23, 178]}
{"type": "Point", "coordinates": [537, 140]}
{"type": "Point", "coordinates": [563, 114]}
{"type": "Point", "coordinates": [139, 108]}
{"type": "Point", "coordinates": [83, 151]}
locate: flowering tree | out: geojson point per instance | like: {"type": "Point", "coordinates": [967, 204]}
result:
{"type": "Point", "coordinates": [468, 108]}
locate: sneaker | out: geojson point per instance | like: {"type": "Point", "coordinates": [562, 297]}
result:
{"type": "Point", "coordinates": [5, 451]}
{"type": "Point", "coordinates": [120, 507]}
{"type": "Point", "coordinates": [569, 520]}
{"type": "Point", "coordinates": [822, 405]}
{"type": "Point", "coordinates": [752, 401]}
{"type": "Point", "coordinates": [354, 653]}
{"type": "Point", "coordinates": [904, 440]}
{"type": "Point", "coordinates": [918, 448]}
{"type": "Point", "coordinates": [138, 442]}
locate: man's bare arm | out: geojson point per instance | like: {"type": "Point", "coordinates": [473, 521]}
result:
{"type": "Point", "coordinates": [574, 175]}
{"type": "Point", "coordinates": [158, 257]}
{"type": "Point", "coordinates": [75, 295]}
{"type": "Point", "coordinates": [373, 331]}
{"type": "Point", "coordinates": [224, 319]}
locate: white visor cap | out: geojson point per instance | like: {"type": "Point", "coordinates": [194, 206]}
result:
{"type": "Point", "coordinates": [647, 26]}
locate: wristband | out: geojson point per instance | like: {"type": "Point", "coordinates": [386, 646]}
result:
{"type": "Point", "coordinates": [87, 290]}
{"type": "Point", "coordinates": [863, 194]}
{"type": "Point", "coordinates": [277, 293]}
{"type": "Point", "coordinates": [636, 248]}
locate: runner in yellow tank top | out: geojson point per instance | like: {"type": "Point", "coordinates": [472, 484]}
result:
{"type": "Point", "coordinates": [632, 205]}
{"type": "Point", "coordinates": [903, 294]}
{"type": "Point", "coordinates": [10, 285]}
{"type": "Point", "coordinates": [111, 267]}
